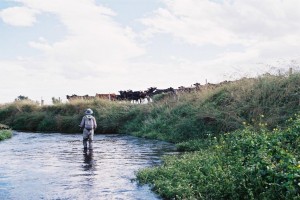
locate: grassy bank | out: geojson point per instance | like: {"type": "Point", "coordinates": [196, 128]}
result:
{"type": "Point", "coordinates": [250, 150]}
{"type": "Point", "coordinates": [28, 116]}
{"type": "Point", "coordinates": [5, 134]}
{"type": "Point", "coordinates": [187, 116]}
{"type": "Point", "coordinates": [214, 111]}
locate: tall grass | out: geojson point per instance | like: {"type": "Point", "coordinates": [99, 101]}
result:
{"type": "Point", "coordinates": [178, 118]}
{"type": "Point", "coordinates": [28, 116]}
{"type": "Point", "coordinates": [218, 110]}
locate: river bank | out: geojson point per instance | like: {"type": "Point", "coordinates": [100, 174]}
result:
{"type": "Point", "coordinates": [245, 164]}
{"type": "Point", "coordinates": [186, 116]}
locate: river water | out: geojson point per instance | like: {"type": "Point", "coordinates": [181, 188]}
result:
{"type": "Point", "coordinates": [54, 166]}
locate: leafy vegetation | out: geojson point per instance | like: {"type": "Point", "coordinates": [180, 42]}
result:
{"type": "Point", "coordinates": [29, 116]}
{"type": "Point", "coordinates": [245, 164]}
{"type": "Point", "coordinates": [5, 134]}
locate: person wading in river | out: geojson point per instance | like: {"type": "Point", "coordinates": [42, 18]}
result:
{"type": "Point", "coordinates": [88, 123]}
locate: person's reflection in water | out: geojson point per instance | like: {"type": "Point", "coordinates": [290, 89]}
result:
{"type": "Point", "coordinates": [88, 159]}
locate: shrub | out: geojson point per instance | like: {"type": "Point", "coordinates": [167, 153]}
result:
{"type": "Point", "coordinates": [245, 164]}
{"type": "Point", "coordinates": [48, 124]}
{"type": "Point", "coordinates": [5, 134]}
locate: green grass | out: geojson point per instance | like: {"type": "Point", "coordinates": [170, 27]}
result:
{"type": "Point", "coordinates": [187, 116]}
{"type": "Point", "coordinates": [5, 134]}
{"type": "Point", "coordinates": [212, 112]}
{"type": "Point", "coordinates": [28, 116]}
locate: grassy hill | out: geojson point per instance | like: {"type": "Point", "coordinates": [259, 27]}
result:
{"type": "Point", "coordinates": [174, 118]}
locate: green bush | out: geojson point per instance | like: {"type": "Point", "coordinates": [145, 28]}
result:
{"type": "Point", "coordinates": [68, 124]}
{"type": "Point", "coordinates": [5, 134]}
{"type": "Point", "coordinates": [5, 112]}
{"type": "Point", "coordinates": [245, 164]}
{"type": "Point", "coordinates": [48, 124]}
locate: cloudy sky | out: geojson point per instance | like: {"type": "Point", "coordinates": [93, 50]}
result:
{"type": "Point", "coordinates": [51, 48]}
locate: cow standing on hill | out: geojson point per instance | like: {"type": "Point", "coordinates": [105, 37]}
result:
{"type": "Point", "coordinates": [197, 86]}
{"type": "Point", "coordinates": [185, 89]}
{"type": "Point", "coordinates": [161, 91]}
{"type": "Point", "coordinates": [134, 96]}
{"type": "Point", "coordinates": [74, 96]}
{"type": "Point", "coordinates": [122, 96]}
{"type": "Point", "coordinates": [110, 97]}
{"type": "Point", "coordinates": [149, 93]}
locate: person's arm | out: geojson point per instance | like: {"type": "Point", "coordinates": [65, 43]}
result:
{"type": "Point", "coordinates": [82, 123]}
{"type": "Point", "coordinates": [95, 123]}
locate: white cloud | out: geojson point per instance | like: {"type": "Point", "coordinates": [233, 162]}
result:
{"type": "Point", "coordinates": [231, 22]}
{"type": "Point", "coordinates": [266, 31]}
{"type": "Point", "coordinates": [93, 56]}
{"type": "Point", "coordinates": [19, 16]}
{"type": "Point", "coordinates": [94, 43]}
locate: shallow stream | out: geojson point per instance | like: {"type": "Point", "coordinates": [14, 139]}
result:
{"type": "Point", "coordinates": [54, 166]}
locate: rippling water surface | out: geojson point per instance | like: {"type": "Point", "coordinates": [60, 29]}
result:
{"type": "Point", "coordinates": [54, 166]}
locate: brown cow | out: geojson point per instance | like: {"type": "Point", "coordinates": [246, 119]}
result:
{"type": "Point", "coordinates": [111, 97]}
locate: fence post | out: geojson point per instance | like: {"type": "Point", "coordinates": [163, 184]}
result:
{"type": "Point", "coordinates": [290, 71]}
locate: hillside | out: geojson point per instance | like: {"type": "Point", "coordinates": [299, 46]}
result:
{"type": "Point", "coordinates": [210, 111]}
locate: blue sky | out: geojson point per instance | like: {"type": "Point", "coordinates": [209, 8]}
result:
{"type": "Point", "coordinates": [54, 48]}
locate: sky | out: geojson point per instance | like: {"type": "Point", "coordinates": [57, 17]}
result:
{"type": "Point", "coordinates": [54, 48]}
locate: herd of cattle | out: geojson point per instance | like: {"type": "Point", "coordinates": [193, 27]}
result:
{"type": "Point", "coordinates": [139, 96]}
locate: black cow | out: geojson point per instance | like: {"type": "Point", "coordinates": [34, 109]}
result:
{"type": "Point", "coordinates": [135, 96]}
{"type": "Point", "coordinates": [122, 96]}
{"type": "Point", "coordinates": [161, 91]}
{"type": "Point", "coordinates": [74, 96]}
{"type": "Point", "coordinates": [149, 93]}
{"type": "Point", "coordinates": [185, 89]}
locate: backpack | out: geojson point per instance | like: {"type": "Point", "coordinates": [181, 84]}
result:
{"type": "Point", "coordinates": [88, 122]}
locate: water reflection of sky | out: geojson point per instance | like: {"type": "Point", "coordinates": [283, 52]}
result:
{"type": "Point", "coordinates": [54, 166]}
